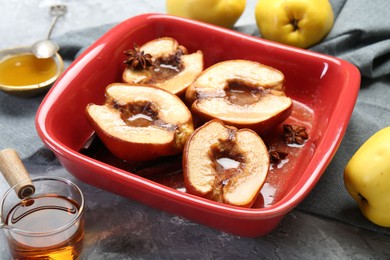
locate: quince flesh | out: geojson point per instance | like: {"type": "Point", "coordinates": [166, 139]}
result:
{"type": "Point", "coordinates": [139, 123]}
{"type": "Point", "coordinates": [174, 68]}
{"type": "Point", "coordinates": [241, 93]}
{"type": "Point", "coordinates": [225, 164]}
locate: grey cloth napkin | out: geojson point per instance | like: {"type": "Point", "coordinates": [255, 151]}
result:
{"type": "Point", "coordinates": [360, 35]}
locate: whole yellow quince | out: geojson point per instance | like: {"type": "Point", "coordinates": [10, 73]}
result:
{"type": "Point", "coordinates": [300, 23]}
{"type": "Point", "coordinates": [367, 178]}
{"type": "Point", "coordinates": [219, 12]}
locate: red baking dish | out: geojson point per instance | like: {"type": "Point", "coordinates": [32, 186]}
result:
{"type": "Point", "coordinates": [324, 90]}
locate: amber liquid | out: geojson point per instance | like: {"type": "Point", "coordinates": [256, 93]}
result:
{"type": "Point", "coordinates": [26, 69]}
{"type": "Point", "coordinates": [168, 170]}
{"type": "Point", "coordinates": [43, 214]}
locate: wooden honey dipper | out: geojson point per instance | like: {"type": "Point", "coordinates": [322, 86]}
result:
{"type": "Point", "coordinates": [13, 170]}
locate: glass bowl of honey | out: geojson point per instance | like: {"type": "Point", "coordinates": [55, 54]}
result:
{"type": "Point", "coordinates": [23, 74]}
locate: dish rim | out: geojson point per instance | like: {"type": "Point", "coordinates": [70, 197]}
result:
{"type": "Point", "coordinates": [292, 198]}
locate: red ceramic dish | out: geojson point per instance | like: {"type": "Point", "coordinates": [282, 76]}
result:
{"type": "Point", "coordinates": [324, 90]}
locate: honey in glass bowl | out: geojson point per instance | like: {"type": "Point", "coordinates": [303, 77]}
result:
{"type": "Point", "coordinates": [49, 224]}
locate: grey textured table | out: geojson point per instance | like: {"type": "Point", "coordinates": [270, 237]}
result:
{"type": "Point", "coordinates": [118, 228]}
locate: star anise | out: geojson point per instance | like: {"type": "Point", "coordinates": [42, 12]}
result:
{"type": "Point", "coordinates": [138, 59]}
{"type": "Point", "coordinates": [276, 155]}
{"type": "Point", "coordinates": [294, 134]}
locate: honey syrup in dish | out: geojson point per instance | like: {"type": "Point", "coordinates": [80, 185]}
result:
{"type": "Point", "coordinates": [281, 177]}
{"type": "Point", "coordinates": [26, 69]}
{"type": "Point", "coordinates": [44, 214]}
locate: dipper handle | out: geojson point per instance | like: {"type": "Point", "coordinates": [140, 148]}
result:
{"type": "Point", "coordinates": [13, 170]}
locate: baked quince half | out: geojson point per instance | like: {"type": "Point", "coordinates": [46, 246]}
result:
{"type": "Point", "coordinates": [163, 63]}
{"type": "Point", "coordinates": [241, 93]}
{"type": "Point", "coordinates": [225, 164]}
{"type": "Point", "coordinates": [140, 122]}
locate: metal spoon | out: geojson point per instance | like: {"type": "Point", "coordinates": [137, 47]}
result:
{"type": "Point", "coordinates": [47, 48]}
